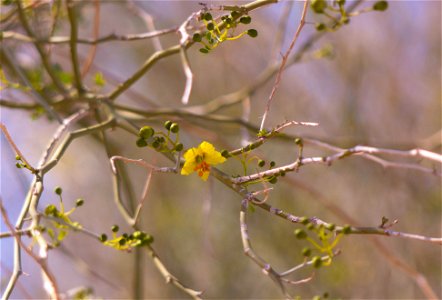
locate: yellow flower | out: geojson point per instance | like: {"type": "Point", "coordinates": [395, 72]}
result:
{"type": "Point", "coordinates": [200, 159]}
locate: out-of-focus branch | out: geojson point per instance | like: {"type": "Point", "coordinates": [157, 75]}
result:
{"type": "Point", "coordinates": [44, 57]}
{"type": "Point", "coordinates": [90, 41]}
{"type": "Point", "coordinates": [73, 45]}
{"type": "Point", "coordinates": [93, 50]}
{"type": "Point", "coordinates": [148, 20]}
{"type": "Point", "coordinates": [48, 277]}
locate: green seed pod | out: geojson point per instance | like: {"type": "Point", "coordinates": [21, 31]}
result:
{"type": "Point", "coordinates": [272, 164]}
{"type": "Point", "coordinates": [346, 229]}
{"type": "Point", "coordinates": [380, 5]}
{"type": "Point", "coordinates": [245, 20]}
{"type": "Point", "coordinates": [207, 16]}
{"type": "Point", "coordinates": [115, 228]}
{"type": "Point", "coordinates": [316, 262]}
{"type": "Point", "coordinates": [17, 157]}
{"type": "Point", "coordinates": [306, 252]}
{"type": "Point", "coordinates": [146, 132]}
{"type": "Point", "coordinates": [204, 50]}
{"type": "Point", "coordinates": [197, 37]}
{"type": "Point", "coordinates": [58, 190]}
{"type": "Point", "coordinates": [122, 242]}
{"type": "Point", "coordinates": [273, 180]}
{"type": "Point", "coordinates": [141, 142]}
{"type": "Point", "coordinates": [179, 147]}
{"type": "Point", "coordinates": [18, 165]}
{"type": "Point", "coordinates": [174, 128]}
{"type": "Point", "coordinates": [210, 26]}
{"type": "Point", "coordinates": [252, 33]}
{"type": "Point", "coordinates": [318, 6]}
{"type": "Point", "coordinates": [79, 202]}
{"type": "Point", "coordinates": [320, 26]}
{"type": "Point", "coordinates": [300, 234]}
{"type": "Point", "coordinates": [261, 163]}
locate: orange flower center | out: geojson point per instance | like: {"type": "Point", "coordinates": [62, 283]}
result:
{"type": "Point", "coordinates": [202, 168]}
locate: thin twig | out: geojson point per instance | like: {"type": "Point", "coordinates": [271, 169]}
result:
{"type": "Point", "coordinates": [73, 45]}
{"type": "Point", "coordinates": [283, 63]}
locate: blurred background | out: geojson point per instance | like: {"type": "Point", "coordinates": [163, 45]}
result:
{"type": "Point", "coordinates": [380, 85]}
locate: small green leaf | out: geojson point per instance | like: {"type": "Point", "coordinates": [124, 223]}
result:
{"type": "Point", "coordinates": [99, 79]}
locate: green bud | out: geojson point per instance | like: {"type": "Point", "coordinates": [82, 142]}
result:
{"type": "Point", "coordinates": [380, 5]}
{"type": "Point", "coordinates": [320, 26]}
{"type": "Point", "coordinates": [225, 153]}
{"type": "Point", "coordinates": [310, 226]}
{"type": "Point", "coordinates": [207, 16]}
{"type": "Point", "coordinates": [228, 21]}
{"type": "Point", "coordinates": [300, 234]}
{"type": "Point", "coordinates": [141, 142]}
{"type": "Point", "coordinates": [331, 226]}
{"type": "Point", "coordinates": [204, 50]}
{"type": "Point", "coordinates": [306, 252]}
{"type": "Point", "coordinates": [146, 132]}
{"type": "Point", "coordinates": [252, 33]}
{"type": "Point", "coordinates": [261, 163]}
{"type": "Point", "coordinates": [125, 235]}
{"type": "Point", "coordinates": [156, 144]}
{"type": "Point", "coordinates": [316, 262]}
{"type": "Point", "coordinates": [79, 202]}
{"type": "Point", "coordinates": [197, 37]}
{"type": "Point", "coordinates": [18, 165]}
{"type": "Point", "coordinates": [174, 128]}
{"type": "Point", "coordinates": [103, 238]}
{"type": "Point", "coordinates": [304, 220]}
{"type": "Point", "coordinates": [51, 210]}
{"type": "Point", "coordinates": [273, 180]}
{"type": "Point", "coordinates": [346, 229]}
{"type": "Point", "coordinates": [318, 6]}
{"type": "Point", "coordinates": [298, 141]}
{"type": "Point", "coordinates": [115, 228]}
{"type": "Point", "coordinates": [210, 26]}
{"type": "Point", "coordinates": [235, 14]}
{"type": "Point", "coordinates": [179, 147]}
{"type": "Point", "coordinates": [58, 190]}
{"type": "Point", "coordinates": [17, 157]}
{"type": "Point", "coordinates": [272, 164]}
{"type": "Point", "coordinates": [122, 242]}
{"type": "Point", "coordinates": [245, 19]}
{"type": "Point", "coordinates": [139, 235]}
{"type": "Point", "coordinates": [167, 124]}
